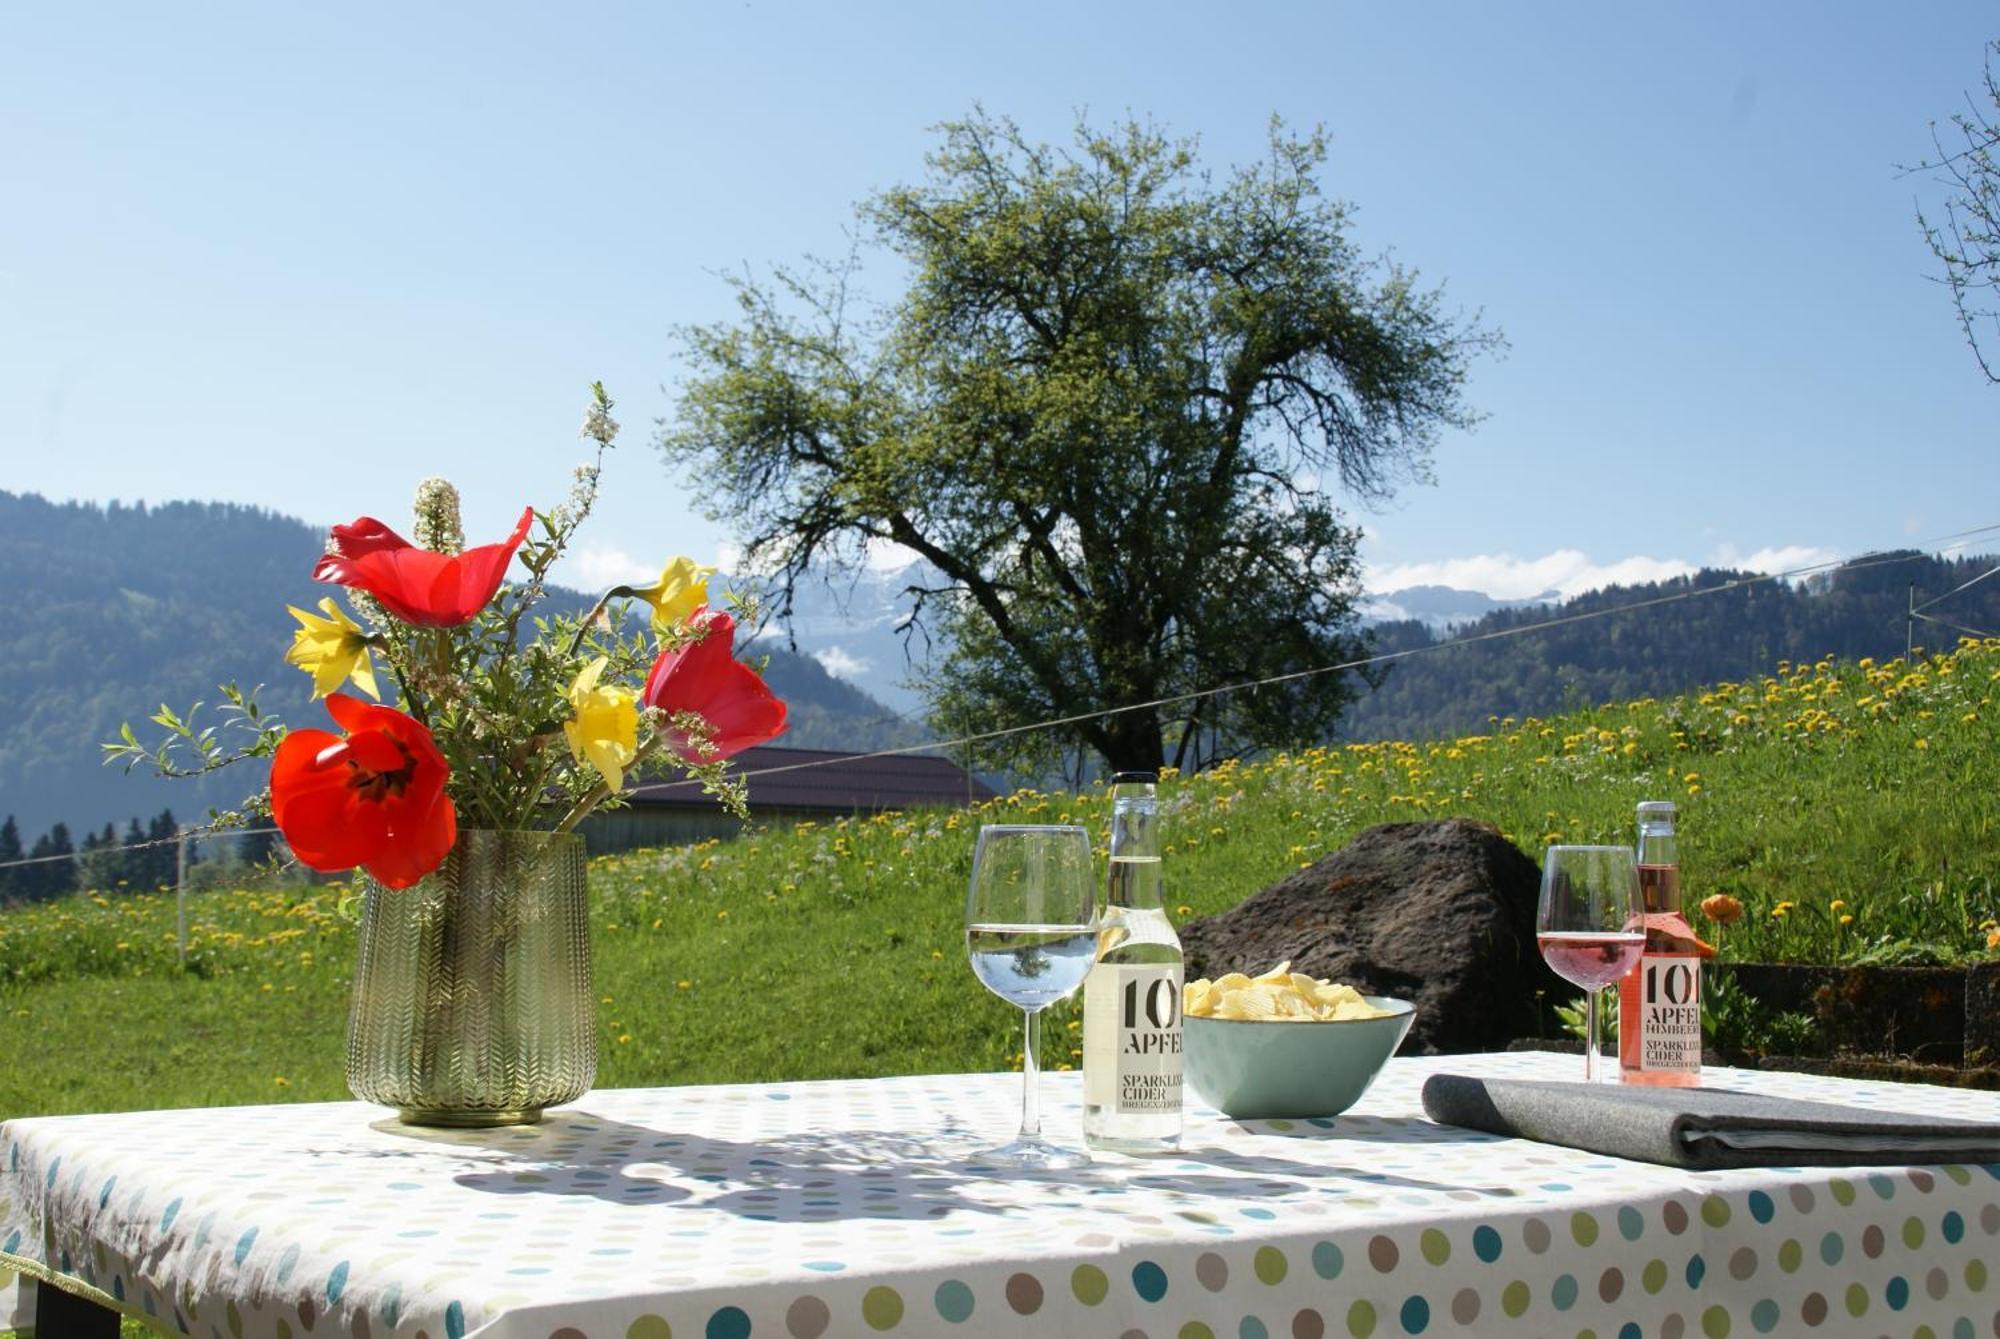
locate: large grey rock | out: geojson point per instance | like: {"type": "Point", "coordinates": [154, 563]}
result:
{"type": "Point", "coordinates": [1440, 913]}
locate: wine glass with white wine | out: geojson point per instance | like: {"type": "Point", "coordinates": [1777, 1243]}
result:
{"type": "Point", "coordinates": [1030, 929]}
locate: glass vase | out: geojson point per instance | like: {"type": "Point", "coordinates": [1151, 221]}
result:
{"type": "Point", "coordinates": [472, 996]}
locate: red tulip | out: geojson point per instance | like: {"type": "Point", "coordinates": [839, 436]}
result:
{"type": "Point", "coordinates": [431, 590]}
{"type": "Point", "coordinates": [706, 679]}
{"type": "Point", "coordinates": [374, 798]}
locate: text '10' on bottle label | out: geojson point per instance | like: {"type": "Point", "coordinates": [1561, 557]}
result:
{"type": "Point", "coordinates": [1138, 1006]}
{"type": "Point", "coordinates": [1670, 1012]}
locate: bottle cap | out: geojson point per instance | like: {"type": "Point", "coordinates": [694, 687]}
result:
{"type": "Point", "coordinates": [1656, 809]}
{"type": "Point", "coordinates": [1135, 778]}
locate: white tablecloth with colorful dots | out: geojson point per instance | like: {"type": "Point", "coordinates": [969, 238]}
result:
{"type": "Point", "coordinates": [793, 1211]}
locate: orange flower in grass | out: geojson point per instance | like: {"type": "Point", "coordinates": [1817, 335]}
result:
{"type": "Point", "coordinates": [1722, 909]}
{"type": "Point", "coordinates": [373, 797]}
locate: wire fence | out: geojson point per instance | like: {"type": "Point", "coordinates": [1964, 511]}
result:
{"type": "Point", "coordinates": [1943, 544]}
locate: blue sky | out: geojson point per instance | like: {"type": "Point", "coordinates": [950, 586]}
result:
{"type": "Point", "coordinates": [302, 259]}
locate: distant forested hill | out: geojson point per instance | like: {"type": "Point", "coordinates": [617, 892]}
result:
{"type": "Point", "coordinates": [106, 612]}
{"type": "Point", "coordinates": [1729, 634]}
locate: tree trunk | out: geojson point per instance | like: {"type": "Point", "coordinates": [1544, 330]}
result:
{"type": "Point", "coordinates": [1133, 744]}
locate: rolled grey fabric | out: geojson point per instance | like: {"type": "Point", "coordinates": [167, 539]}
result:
{"type": "Point", "coordinates": [1702, 1128]}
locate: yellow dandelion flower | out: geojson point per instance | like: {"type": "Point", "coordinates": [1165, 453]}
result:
{"type": "Point", "coordinates": [1923, 743]}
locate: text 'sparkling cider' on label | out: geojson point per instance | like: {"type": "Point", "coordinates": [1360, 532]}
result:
{"type": "Point", "coordinates": [1139, 1008]}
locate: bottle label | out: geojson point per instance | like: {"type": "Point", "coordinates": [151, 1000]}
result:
{"type": "Point", "coordinates": [1670, 1013]}
{"type": "Point", "coordinates": [1137, 1008]}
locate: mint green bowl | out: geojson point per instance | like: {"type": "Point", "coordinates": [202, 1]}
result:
{"type": "Point", "coordinates": [1257, 1070]}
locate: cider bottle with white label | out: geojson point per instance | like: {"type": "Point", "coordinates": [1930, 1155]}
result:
{"type": "Point", "coordinates": [1132, 997]}
{"type": "Point", "coordinates": [1659, 1002]}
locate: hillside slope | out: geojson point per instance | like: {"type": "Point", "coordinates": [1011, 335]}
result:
{"type": "Point", "coordinates": [113, 610]}
{"type": "Point", "coordinates": [1742, 626]}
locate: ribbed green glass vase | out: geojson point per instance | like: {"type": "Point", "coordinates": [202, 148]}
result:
{"type": "Point", "coordinates": [472, 997]}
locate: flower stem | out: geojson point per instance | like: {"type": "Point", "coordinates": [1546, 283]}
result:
{"type": "Point", "coordinates": [583, 628]}
{"type": "Point", "coordinates": [597, 794]}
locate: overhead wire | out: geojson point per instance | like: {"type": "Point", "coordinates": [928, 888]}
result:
{"type": "Point", "coordinates": [1735, 583]}
{"type": "Point", "coordinates": [1943, 543]}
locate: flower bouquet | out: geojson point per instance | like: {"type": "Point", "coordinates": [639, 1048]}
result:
{"type": "Point", "coordinates": [472, 999]}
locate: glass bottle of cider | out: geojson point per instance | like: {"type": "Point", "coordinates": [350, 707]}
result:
{"type": "Point", "coordinates": [1659, 1002]}
{"type": "Point", "coordinates": [1132, 997]}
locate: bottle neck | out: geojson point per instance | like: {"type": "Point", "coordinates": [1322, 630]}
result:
{"type": "Point", "coordinates": [1134, 881]}
{"type": "Point", "coordinates": [1656, 845]}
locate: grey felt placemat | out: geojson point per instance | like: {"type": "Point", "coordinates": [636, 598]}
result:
{"type": "Point", "coordinates": [1702, 1128]}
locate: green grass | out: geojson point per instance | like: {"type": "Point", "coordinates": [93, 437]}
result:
{"type": "Point", "coordinates": [835, 949]}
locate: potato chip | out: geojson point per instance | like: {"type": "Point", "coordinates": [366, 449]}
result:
{"type": "Point", "coordinates": [1250, 1002]}
{"type": "Point", "coordinates": [1196, 997]}
{"type": "Point", "coordinates": [1279, 995]}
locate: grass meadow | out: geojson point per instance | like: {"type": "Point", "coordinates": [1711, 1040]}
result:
{"type": "Point", "coordinates": [1851, 809]}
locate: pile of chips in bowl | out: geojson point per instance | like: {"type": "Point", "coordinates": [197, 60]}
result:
{"type": "Point", "coordinates": [1280, 995]}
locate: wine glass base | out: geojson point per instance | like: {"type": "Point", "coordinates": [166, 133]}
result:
{"type": "Point", "coordinates": [1031, 1155]}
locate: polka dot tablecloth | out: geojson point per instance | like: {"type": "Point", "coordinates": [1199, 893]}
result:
{"type": "Point", "coordinates": [801, 1210]}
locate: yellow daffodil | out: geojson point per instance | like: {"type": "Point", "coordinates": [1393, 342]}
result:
{"type": "Point", "coordinates": [332, 649]}
{"type": "Point", "coordinates": [605, 730]}
{"type": "Point", "coordinates": [681, 589]}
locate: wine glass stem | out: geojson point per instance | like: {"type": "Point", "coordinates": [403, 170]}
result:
{"type": "Point", "coordinates": [1031, 1111]}
{"type": "Point", "coordinates": [1590, 1036]}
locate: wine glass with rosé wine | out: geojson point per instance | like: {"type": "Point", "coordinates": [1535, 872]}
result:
{"type": "Point", "coordinates": [1586, 925]}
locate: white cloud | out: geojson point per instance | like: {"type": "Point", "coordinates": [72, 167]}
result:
{"type": "Point", "coordinates": [1386, 611]}
{"type": "Point", "coordinates": [1773, 559]}
{"type": "Point", "coordinates": [1506, 576]}
{"type": "Point", "coordinates": [837, 662]}
{"type": "Point", "coordinates": [884, 556]}
{"type": "Point", "coordinates": [599, 567]}
{"type": "Point", "coordinates": [1566, 572]}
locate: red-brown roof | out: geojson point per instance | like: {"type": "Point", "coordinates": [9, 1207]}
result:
{"type": "Point", "coordinates": [821, 780]}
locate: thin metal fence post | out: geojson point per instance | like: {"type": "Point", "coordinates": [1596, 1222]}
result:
{"type": "Point", "coordinates": [181, 894]}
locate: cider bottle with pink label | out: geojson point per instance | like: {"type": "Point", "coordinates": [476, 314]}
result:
{"type": "Point", "coordinates": [1659, 1004]}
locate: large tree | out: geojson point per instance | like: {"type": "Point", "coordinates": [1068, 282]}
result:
{"type": "Point", "coordinates": [1964, 230]}
{"type": "Point", "coordinates": [1113, 409]}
